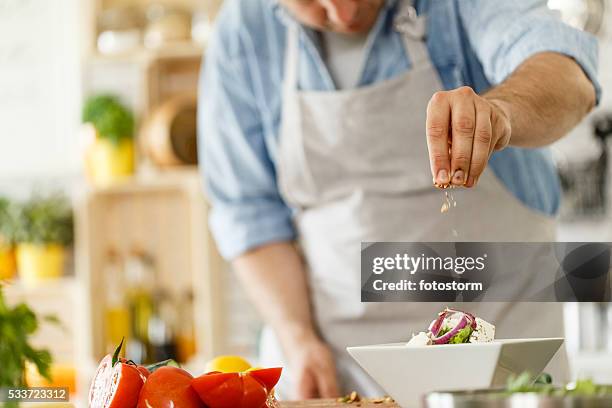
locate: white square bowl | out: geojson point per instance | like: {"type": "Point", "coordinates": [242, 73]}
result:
{"type": "Point", "coordinates": [408, 372]}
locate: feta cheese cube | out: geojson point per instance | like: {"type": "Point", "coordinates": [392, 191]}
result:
{"type": "Point", "coordinates": [421, 339]}
{"type": "Point", "coordinates": [484, 332]}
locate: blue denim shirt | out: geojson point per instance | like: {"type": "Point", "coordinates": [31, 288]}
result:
{"type": "Point", "coordinates": [471, 42]}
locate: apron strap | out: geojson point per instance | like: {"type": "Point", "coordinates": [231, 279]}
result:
{"type": "Point", "coordinates": [292, 54]}
{"type": "Point", "coordinates": [413, 29]}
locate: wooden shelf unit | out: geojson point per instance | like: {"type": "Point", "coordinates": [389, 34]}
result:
{"type": "Point", "coordinates": [167, 217]}
{"type": "Point", "coordinates": [164, 212]}
{"type": "Point", "coordinates": [162, 72]}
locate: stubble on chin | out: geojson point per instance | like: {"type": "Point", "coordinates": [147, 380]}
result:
{"type": "Point", "coordinates": [366, 18]}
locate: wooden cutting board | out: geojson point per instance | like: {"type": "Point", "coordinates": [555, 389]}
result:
{"type": "Point", "coordinates": [332, 403]}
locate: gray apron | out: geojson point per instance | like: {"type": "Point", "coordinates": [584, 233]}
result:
{"type": "Point", "coordinates": [355, 165]}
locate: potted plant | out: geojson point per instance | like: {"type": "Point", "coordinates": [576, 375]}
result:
{"type": "Point", "coordinates": [8, 266]}
{"type": "Point", "coordinates": [17, 324]}
{"type": "Point", "coordinates": [110, 154]}
{"type": "Point", "coordinates": [44, 231]}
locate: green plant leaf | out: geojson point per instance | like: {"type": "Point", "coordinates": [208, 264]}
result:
{"type": "Point", "coordinates": [45, 220]}
{"type": "Point", "coordinates": [9, 214]}
{"type": "Point", "coordinates": [25, 317]}
{"type": "Point", "coordinates": [17, 324]}
{"type": "Point", "coordinates": [110, 117]}
{"type": "Point", "coordinates": [41, 359]}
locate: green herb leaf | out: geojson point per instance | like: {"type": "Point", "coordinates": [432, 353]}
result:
{"type": "Point", "coordinates": [584, 388]}
{"type": "Point", "coordinates": [463, 336]}
{"type": "Point", "coordinates": [165, 363]}
{"type": "Point", "coordinates": [544, 378]}
{"type": "Point", "coordinates": [117, 351]}
{"type": "Point", "coordinates": [520, 383]}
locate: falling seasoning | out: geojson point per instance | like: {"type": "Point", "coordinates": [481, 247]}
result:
{"type": "Point", "coordinates": [449, 199]}
{"type": "Point", "coordinates": [448, 202]}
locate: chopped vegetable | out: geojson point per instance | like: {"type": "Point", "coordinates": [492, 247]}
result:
{"type": "Point", "coordinates": [248, 389]}
{"type": "Point", "coordinates": [462, 336]}
{"type": "Point", "coordinates": [117, 383]}
{"type": "Point", "coordinates": [120, 383]}
{"type": "Point", "coordinates": [169, 387]}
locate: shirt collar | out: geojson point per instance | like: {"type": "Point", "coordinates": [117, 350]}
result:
{"type": "Point", "coordinates": [286, 18]}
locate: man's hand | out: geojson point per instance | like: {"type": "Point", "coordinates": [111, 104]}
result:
{"type": "Point", "coordinates": [313, 369]}
{"type": "Point", "coordinates": [463, 129]}
{"type": "Point", "coordinates": [542, 100]}
{"type": "Point", "coordinates": [275, 280]}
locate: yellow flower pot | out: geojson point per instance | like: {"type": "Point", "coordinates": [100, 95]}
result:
{"type": "Point", "coordinates": [62, 375]}
{"type": "Point", "coordinates": [38, 263]}
{"type": "Point", "coordinates": [8, 264]}
{"type": "Point", "coordinates": [107, 163]}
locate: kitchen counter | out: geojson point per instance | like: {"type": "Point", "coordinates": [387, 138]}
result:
{"type": "Point", "coordinates": [332, 403]}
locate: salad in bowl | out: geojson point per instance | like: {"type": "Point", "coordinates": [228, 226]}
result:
{"type": "Point", "coordinates": [455, 327]}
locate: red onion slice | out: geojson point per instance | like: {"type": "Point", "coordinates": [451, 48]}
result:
{"type": "Point", "coordinates": [471, 317]}
{"type": "Point", "coordinates": [466, 319]}
{"type": "Point", "coordinates": [450, 311]}
{"type": "Point", "coordinates": [436, 325]}
{"type": "Point", "coordinates": [444, 339]}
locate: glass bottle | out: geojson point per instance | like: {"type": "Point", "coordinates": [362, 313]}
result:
{"type": "Point", "coordinates": [161, 330]}
{"type": "Point", "coordinates": [185, 337]}
{"type": "Point", "coordinates": [140, 273]}
{"type": "Point", "coordinates": [116, 313]}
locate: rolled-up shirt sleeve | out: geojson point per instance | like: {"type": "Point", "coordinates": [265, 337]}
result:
{"type": "Point", "coordinates": [504, 34]}
{"type": "Point", "coordinates": [247, 209]}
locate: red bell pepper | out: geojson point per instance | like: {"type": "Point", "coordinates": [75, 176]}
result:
{"type": "Point", "coordinates": [249, 389]}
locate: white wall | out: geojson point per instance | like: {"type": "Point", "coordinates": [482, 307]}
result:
{"type": "Point", "coordinates": [39, 92]}
{"type": "Point", "coordinates": [580, 144]}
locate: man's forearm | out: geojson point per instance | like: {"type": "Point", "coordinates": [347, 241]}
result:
{"type": "Point", "coordinates": [544, 99]}
{"type": "Point", "coordinates": [274, 278]}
